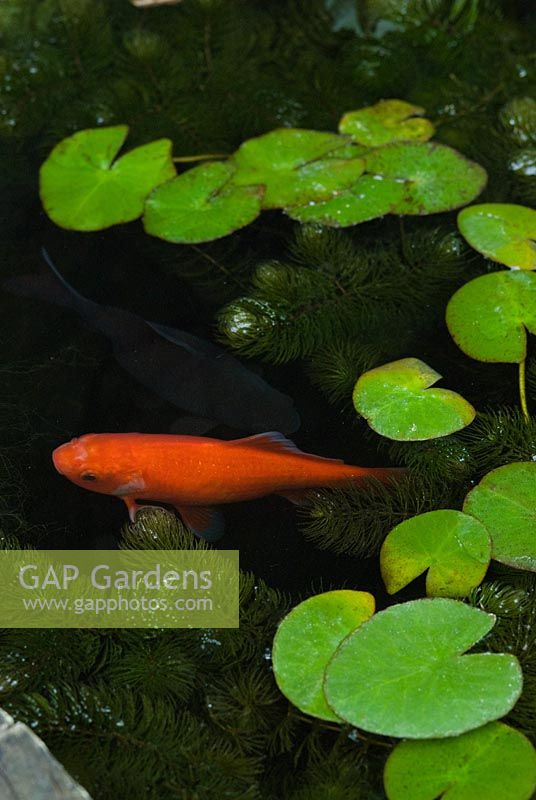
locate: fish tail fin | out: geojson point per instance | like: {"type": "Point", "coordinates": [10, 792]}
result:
{"type": "Point", "coordinates": [66, 285]}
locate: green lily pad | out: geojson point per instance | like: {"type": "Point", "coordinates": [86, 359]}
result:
{"type": "Point", "coordinates": [488, 317]}
{"type": "Point", "coordinates": [437, 177]}
{"type": "Point", "coordinates": [495, 762]}
{"type": "Point", "coordinates": [201, 205]}
{"type": "Point", "coordinates": [454, 547]}
{"type": "Point", "coordinates": [370, 197]}
{"type": "Point", "coordinates": [403, 674]}
{"type": "Point", "coordinates": [502, 232]}
{"type": "Point", "coordinates": [505, 502]}
{"type": "Point", "coordinates": [295, 167]}
{"type": "Point", "coordinates": [385, 122]}
{"type": "Point", "coordinates": [397, 402]}
{"type": "Point", "coordinates": [306, 640]}
{"type": "Point", "coordinates": [82, 188]}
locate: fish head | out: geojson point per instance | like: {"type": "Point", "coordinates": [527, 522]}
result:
{"type": "Point", "coordinates": [99, 462]}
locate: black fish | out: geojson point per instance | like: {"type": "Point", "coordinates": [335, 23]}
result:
{"type": "Point", "coordinates": [191, 373]}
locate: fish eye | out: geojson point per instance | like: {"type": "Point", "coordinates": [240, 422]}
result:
{"type": "Point", "coordinates": [88, 476]}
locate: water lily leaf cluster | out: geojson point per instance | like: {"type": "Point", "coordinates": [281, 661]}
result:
{"type": "Point", "coordinates": [397, 401]}
{"type": "Point", "coordinates": [489, 317]}
{"type": "Point", "coordinates": [380, 162]}
{"type": "Point", "coordinates": [455, 547]}
{"type": "Point", "coordinates": [401, 672]}
{"type": "Point", "coordinates": [401, 178]}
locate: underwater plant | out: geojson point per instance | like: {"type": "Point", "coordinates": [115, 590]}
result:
{"type": "Point", "coordinates": [195, 715]}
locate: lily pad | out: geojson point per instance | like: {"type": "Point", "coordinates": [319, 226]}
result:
{"type": "Point", "coordinates": [385, 122]}
{"type": "Point", "coordinates": [201, 205]}
{"type": "Point", "coordinates": [403, 674]}
{"type": "Point", "coordinates": [495, 762]}
{"type": "Point", "coordinates": [306, 640]}
{"type": "Point", "coordinates": [488, 317]}
{"type": "Point", "coordinates": [454, 547]}
{"type": "Point", "coordinates": [370, 197]}
{"type": "Point", "coordinates": [502, 232]}
{"type": "Point", "coordinates": [505, 502]}
{"type": "Point", "coordinates": [437, 177]}
{"type": "Point", "coordinates": [397, 402]}
{"type": "Point", "coordinates": [82, 188]}
{"type": "Point", "coordinates": [295, 167]}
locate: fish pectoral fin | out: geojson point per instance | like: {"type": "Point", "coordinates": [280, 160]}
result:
{"type": "Point", "coordinates": [132, 506]}
{"type": "Point", "coordinates": [205, 522]}
{"type": "Point", "coordinates": [277, 443]}
{"type": "Point", "coordinates": [300, 497]}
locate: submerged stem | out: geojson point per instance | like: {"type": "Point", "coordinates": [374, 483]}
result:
{"type": "Point", "coordinates": [523, 390]}
{"type": "Point", "coordinates": [204, 157]}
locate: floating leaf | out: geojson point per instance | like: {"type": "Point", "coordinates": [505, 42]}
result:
{"type": "Point", "coordinates": [294, 166]}
{"type": "Point", "coordinates": [489, 316]}
{"type": "Point", "coordinates": [402, 673]}
{"type": "Point", "coordinates": [495, 762]}
{"type": "Point", "coordinates": [505, 502]}
{"type": "Point", "coordinates": [437, 177]}
{"type": "Point", "coordinates": [454, 547]}
{"type": "Point", "coordinates": [201, 205]}
{"type": "Point", "coordinates": [397, 402]}
{"type": "Point", "coordinates": [306, 640]}
{"type": "Point", "coordinates": [387, 121]}
{"type": "Point", "coordinates": [501, 231]}
{"type": "Point", "coordinates": [83, 189]}
{"type": "Point", "coordinates": [370, 197]}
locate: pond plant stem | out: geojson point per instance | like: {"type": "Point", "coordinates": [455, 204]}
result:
{"type": "Point", "coordinates": [523, 390]}
{"type": "Point", "coordinates": [204, 157]}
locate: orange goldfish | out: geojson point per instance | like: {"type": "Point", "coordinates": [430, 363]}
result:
{"type": "Point", "coordinates": [195, 473]}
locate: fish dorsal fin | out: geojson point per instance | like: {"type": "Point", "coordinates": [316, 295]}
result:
{"type": "Point", "coordinates": [278, 443]}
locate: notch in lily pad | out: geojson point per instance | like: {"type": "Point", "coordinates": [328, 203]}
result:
{"type": "Point", "coordinates": [398, 403]}
{"type": "Point", "coordinates": [84, 187]}
{"type": "Point", "coordinates": [385, 122]}
{"type": "Point", "coordinates": [306, 640]}
{"type": "Point", "coordinates": [201, 205]}
{"type": "Point", "coordinates": [405, 672]}
{"type": "Point", "coordinates": [454, 547]}
{"type": "Point", "coordinates": [495, 762]}
{"type": "Point", "coordinates": [502, 232]}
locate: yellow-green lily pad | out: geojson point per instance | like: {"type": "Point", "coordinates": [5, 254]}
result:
{"type": "Point", "coordinates": [82, 188]}
{"type": "Point", "coordinates": [489, 317]}
{"type": "Point", "coordinates": [306, 640]}
{"type": "Point", "coordinates": [505, 502]}
{"type": "Point", "coordinates": [404, 673]}
{"type": "Point", "coordinates": [503, 232]}
{"type": "Point", "coordinates": [437, 177]}
{"type": "Point", "coordinates": [385, 122]}
{"type": "Point", "coordinates": [454, 547]}
{"type": "Point", "coordinates": [495, 762]}
{"type": "Point", "coordinates": [397, 402]}
{"type": "Point", "coordinates": [201, 205]}
{"type": "Point", "coordinates": [296, 166]}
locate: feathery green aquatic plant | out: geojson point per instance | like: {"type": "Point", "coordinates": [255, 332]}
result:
{"type": "Point", "coordinates": [337, 288]}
